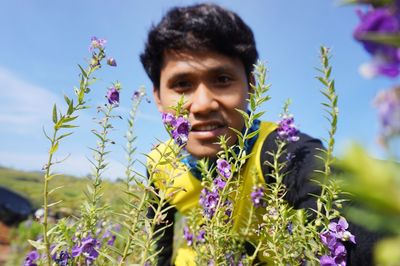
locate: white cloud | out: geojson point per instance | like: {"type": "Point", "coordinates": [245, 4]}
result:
{"type": "Point", "coordinates": [24, 107]}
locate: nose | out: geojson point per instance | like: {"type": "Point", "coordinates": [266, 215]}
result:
{"type": "Point", "coordinates": [203, 100]}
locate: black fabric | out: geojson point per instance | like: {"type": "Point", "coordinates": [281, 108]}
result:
{"type": "Point", "coordinates": [165, 237]}
{"type": "Point", "coordinates": [300, 168]}
{"type": "Point", "coordinates": [301, 164]}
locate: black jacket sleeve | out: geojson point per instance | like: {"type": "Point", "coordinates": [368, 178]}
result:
{"type": "Point", "coordinates": [165, 238]}
{"type": "Point", "coordinates": [301, 165]}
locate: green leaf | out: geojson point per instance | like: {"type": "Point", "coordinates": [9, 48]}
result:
{"type": "Point", "coordinates": [83, 71]}
{"type": "Point", "coordinates": [54, 203]}
{"type": "Point", "coordinates": [55, 114]}
{"type": "Point", "coordinates": [54, 148]}
{"type": "Point", "coordinates": [49, 177]}
{"type": "Point", "coordinates": [387, 251]}
{"type": "Point", "coordinates": [45, 134]}
{"type": "Point", "coordinates": [389, 39]}
{"type": "Point", "coordinates": [37, 244]}
{"type": "Point", "coordinates": [70, 107]}
{"type": "Point", "coordinates": [65, 135]}
{"type": "Point", "coordinates": [68, 126]}
{"type": "Point", "coordinates": [252, 134]}
{"type": "Point", "coordinates": [69, 119]}
{"type": "Point", "coordinates": [55, 189]}
{"type": "Point", "coordinates": [323, 81]}
{"type": "Point", "coordinates": [244, 114]}
{"type": "Point", "coordinates": [67, 100]}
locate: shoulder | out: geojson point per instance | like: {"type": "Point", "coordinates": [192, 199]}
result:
{"type": "Point", "coordinates": [301, 163]}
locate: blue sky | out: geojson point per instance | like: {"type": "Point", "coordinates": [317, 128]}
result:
{"type": "Point", "coordinates": [43, 41]}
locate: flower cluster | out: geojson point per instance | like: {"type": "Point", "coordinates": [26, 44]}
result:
{"type": "Point", "coordinates": [178, 126]}
{"type": "Point", "coordinates": [333, 239]}
{"type": "Point", "coordinates": [287, 130]}
{"type": "Point", "coordinates": [113, 96]}
{"type": "Point", "coordinates": [190, 238]}
{"type": "Point", "coordinates": [62, 259]}
{"type": "Point", "coordinates": [224, 171]}
{"type": "Point", "coordinates": [388, 104]}
{"type": "Point", "coordinates": [31, 258]}
{"type": "Point", "coordinates": [96, 43]}
{"type": "Point", "coordinates": [99, 44]}
{"type": "Point", "coordinates": [88, 247]}
{"type": "Point", "coordinates": [380, 20]}
{"type": "Point", "coordinates": [257, 196]}
{"type": "Point", "coordinates": [209, 201]}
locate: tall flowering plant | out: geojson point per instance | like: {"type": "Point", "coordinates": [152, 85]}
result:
{"type": "Point", "coordinates": [283, 235]}
{"type": "Point", "coordinates": [374, 183]}
{"type": "Point", "coordinates": [275, 232]}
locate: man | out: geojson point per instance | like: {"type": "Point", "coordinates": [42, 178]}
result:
{"type": "Point", "coordinates": [207, 53]}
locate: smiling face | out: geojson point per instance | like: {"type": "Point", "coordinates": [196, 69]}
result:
{"type": "Point", "coordinates": [214, 86]}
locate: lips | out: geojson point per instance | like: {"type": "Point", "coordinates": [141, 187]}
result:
{"type": "Point", "coordinates": [207, 131]}
{"type": "Point", "coordinates": [209, 126]}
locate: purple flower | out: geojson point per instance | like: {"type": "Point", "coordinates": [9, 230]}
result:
{"type": "Point", "coordinates": [219, 183]}
{"type": "Point", "coordinates": [201, 236]}
{"type": "Point", "coordinates": [287, 130]}
{"type": "Point", "coordinates": [328, 239]}
{"type": "Point", "coordinates": [228, 210]}
{"type": "Point", "coordinates": [209, 201]}
{"type": "Point", "coordinates": [88, 247]}
{"type": "Point", "coordinates": [384, 21]}
{"type": "Point", "coordinates": [224, 168]}
{"type": "Point", "coordinates": [111, 61]}
{"type": "Point", "coordinates": [31, 258]}
{"type": "Point", "coordinates": [113, 96]}
{"type": "Point", "coordinates": [339, 229]}
{"type": "Point", "coordinates": [327, 261]}
{"type": "Point", "coordinates": [339, 254]}
{"type": "Point", "coordinates": [188, 236]}
{"type": "Point", "coordinates": [168, 119]}
{"type": "Point", "coordinates": [180, 131]}
{"type": "Point", "coordinates": [257, 196]}
{"type": "Point", "coordinates": [96, 43]}
{"type": "Point", "coordinates": [138, 94]}
{"type": "Point", "coordinates": [179, 127]}
{"type": "Point", "coordinates": [289, 227]}
{"type": "Point", "coordinates": [333, 240]}
{"type": "Point", "coordinates": [62, 259]}
{"type": "Point", "coordinates": [110, 237]}
{"type": "Point", "coordinates": [388, 104]}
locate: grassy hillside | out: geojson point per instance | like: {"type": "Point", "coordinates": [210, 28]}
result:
{"type": "Point", "coordinates": [29, 185]}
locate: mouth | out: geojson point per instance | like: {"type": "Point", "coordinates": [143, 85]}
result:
{"type": "Point", "coordinates": [207, 130]}
{"type": "Point", "coordinates": [207, 126]}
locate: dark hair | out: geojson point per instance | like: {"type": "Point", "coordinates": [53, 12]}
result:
{"type": "Point", "coordinates": [203, 27]}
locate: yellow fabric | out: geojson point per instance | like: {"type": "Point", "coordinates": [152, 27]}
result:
{"type": "Point", "coordinates": [185, 189]}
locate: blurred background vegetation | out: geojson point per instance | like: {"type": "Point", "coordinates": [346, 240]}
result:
{"type": "Point", "coordinates": [13, 239]}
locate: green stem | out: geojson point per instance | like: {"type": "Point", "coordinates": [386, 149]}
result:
{"type": "Point", "coordinates": [45, 199]}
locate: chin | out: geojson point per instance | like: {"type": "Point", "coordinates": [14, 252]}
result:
{"type": "Point", "coordinates": [203, 151]}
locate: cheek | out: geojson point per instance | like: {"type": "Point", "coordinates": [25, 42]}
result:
{"type": "Point", "coordinates": [168, 100]}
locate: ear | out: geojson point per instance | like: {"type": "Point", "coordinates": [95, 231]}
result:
{"type": "Point", "coordinates": [157, 99]}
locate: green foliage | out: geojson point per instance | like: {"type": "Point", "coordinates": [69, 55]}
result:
{"type": "Point", "coordinates": [29, 184]}
{"type": "Point", "coordinates": [375, 185]}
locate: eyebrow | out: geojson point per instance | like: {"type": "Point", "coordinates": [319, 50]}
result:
{"type": "Point", "coordinates": [212, 70]}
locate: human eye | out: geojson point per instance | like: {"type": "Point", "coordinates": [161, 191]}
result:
{"type": "Point", "coordinates": [223, 80]}
{"type": "Point", "coordinates": [181, 85]}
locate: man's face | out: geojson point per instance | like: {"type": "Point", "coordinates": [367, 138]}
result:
{"type": "Point", "coordinates": [214, 86]}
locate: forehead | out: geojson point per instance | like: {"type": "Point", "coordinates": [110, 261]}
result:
{"type": "Point", "coordinates": [179, 62]}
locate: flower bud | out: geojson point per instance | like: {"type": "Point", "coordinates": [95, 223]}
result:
{"type": "Point", "coordinates": [111, 61]}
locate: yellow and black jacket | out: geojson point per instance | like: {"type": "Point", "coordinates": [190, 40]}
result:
{"type": "Point", "coordinates": [300, 167]}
